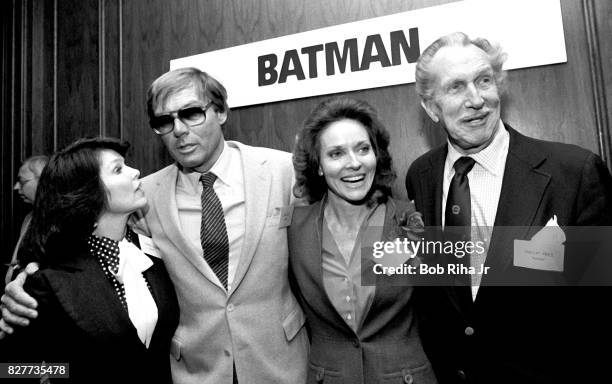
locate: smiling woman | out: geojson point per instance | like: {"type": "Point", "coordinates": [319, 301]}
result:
{"type": "Point", "coordinates": [329, 121]}
{"type": "Point", "coordinates": [344, 168]}
{"type": "Point", "coordinates": [347, 161]}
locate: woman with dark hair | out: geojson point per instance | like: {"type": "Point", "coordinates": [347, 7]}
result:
{"type": "Point", "coordinates": [360, 331]}
{"type": "Point", "coordinates": [105, 308]}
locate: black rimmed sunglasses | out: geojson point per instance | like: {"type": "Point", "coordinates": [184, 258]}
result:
{"type": "Point", "coordinates": [189, 116]}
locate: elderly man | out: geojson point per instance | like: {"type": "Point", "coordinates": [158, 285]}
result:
{"type": "Point", "coordinates": [218, 219]}
{"type": "Point", "coordinates": [488, 175]}
{"type": "Point", "coordinates": [26, 185]}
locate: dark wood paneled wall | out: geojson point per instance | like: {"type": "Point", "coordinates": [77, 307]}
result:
{"type": "Point", "coordinates": [72, 68]}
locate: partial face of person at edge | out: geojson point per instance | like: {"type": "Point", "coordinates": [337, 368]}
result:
{"type": "Point", "coordinates": [26, 184]}
{"type": "Point", "coordinates": [347, 160]}
{"type": "Point", "coordinates": [466, 97]}
{"type": "Point", "coordinates": [122, 184]}
{"type": "Point", "coordinates": [196, 147]}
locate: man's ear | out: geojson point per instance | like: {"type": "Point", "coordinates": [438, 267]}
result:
{"type": "Point", "coordinates": [222, 117]}
{"type": "Point", "coordinates": [431, 110]}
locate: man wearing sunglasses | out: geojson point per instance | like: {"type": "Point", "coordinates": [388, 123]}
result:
{"type": "Point", "coordinates": [218, 218]}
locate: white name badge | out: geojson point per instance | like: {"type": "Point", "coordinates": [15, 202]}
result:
{"type": "Point", "coordinates": [538, 255]}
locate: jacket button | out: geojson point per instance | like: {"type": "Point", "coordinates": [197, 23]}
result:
{"type": "Point", "coordinates": [230, 307]}
{"type": "Point", "coordinates": [469, 331]}
{"type": "Point", "coordinates": [461, 374]}
{"type": "Point", "coordinates": [408, 379]}
{"type": "Point", "coordinates": [356, 343]}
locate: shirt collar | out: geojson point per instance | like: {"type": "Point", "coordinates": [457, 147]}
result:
{"type": "Point", "coordinates": [102, 243]}
{"type": "Point", "coordinates": [105, 250]}
{"type": "Point", "coordinates": [492, 158]}
{"type": "Point", "coordinates": [222, 168]}
{"type": "Point", "coordinates": [370, 213]}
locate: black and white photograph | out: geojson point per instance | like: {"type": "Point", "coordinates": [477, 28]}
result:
{"type": "Point", "coordinates": [301, 192]}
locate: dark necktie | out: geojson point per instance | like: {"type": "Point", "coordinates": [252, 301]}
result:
{"type": "Point", "coordinates": [458, 214]}
{"type": "Point", "coordinates": [458, 206]}
{"type": "Point", "coordinates": [213, 233]}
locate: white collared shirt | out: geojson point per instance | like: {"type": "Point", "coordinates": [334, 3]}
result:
{"type": "Point", "coordinates": [229, 187]}
{"type": "Point", "coordinates": [485, 186]}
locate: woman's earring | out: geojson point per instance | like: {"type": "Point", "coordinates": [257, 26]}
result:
{"type": "Point", "coordinates": [320, 172]}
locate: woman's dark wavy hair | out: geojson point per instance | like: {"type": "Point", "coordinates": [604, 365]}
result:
{"type": "Point", "coordinates": [69, 199]}
{"type": "Point", "coordinates": [312, 186]}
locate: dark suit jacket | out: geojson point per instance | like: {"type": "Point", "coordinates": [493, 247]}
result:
{"type": "Point", "coordinates": [387, 346]}
{"type": "Point", "coordinates": [521, 334]}
{"type": "Point", "coordinates": [82, 322]}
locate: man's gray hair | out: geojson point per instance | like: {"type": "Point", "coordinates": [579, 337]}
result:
{"type": "Point", "coordinates": [425, 79]}
{"type": "Point", "coordinates": [36, 164]}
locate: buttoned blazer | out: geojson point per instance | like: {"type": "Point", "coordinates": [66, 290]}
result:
{"type": "Point", "coordinates": [520, 333]}
{"type": "Point", "coordinates": [386, 347]}
{"type": "Point", "coordinates": [258, 324]}
{"type": "Point", "coordinates": [83, 323]}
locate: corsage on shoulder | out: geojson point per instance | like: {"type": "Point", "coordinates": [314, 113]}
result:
{"type": "Point", "coordinates": [411, 224]}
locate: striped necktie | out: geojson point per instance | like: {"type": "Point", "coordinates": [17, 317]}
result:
{"type": "Point", "coordinates": [213, 233]}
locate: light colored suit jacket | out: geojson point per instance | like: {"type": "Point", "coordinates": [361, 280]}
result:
{"type": "Point", "coordinates": [258, 325]}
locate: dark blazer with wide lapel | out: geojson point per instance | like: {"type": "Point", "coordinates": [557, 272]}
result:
{"type": "Point", "coordinates": [387, 345]}
{"type": "Point", "coordinates": [82, 322]}
{"type": "Point", "coordinates": [520, 333]}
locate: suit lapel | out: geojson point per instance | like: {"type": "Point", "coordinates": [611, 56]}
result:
{"type": "Point", "coordinates": [521, 195]}
{"type": "Point", "coordinates": [257, 184]}
{"type": "Point", "coordinates": [162, 293]}
{"type": "Point", "coordinates": [167, 210]}
{"type": "Point", "coordinates": [431, 188]}
{"type": "Point", "coordinates": [523, 187]}
{"type": "Point", "coordinates": [383, 285]}
{"type": "Point", "coordinates": [88, 298]}
{"type": "Point", "coordinates": [157, 284]}
{"type": "Point", "coordinates": [313, 264]}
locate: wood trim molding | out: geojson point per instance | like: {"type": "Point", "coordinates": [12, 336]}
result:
{"type": "Point", "coordinates": [55, 45]}
{"type": "Point", "coordinates": [120, 52]}
{"type": "Point", "coordinates": [102, 68]}
{"type": "Point", "coordinates": [597, 80]}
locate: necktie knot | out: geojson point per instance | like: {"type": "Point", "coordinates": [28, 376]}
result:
{"type": "Point", "coordinates": [464, 165]}
{"type": "Point", "coordinates": [208, 179]}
